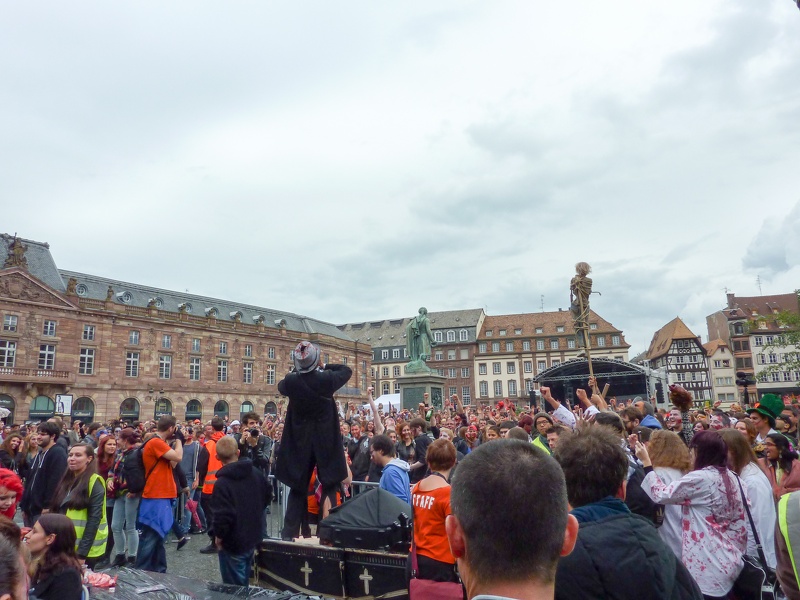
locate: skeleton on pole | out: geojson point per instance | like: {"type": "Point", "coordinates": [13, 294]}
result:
{"type": "Point", "coordinates": [580, 288]}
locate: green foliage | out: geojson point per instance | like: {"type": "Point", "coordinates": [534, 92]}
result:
{"type": "Point", "coordinates": [785, 344]}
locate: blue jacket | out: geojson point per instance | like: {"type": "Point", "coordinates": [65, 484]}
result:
{"type": "Point", "coordinates": [395, 479]}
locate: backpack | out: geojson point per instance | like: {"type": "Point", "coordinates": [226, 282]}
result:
{"type": "Point", "coordinates": [133, 470]}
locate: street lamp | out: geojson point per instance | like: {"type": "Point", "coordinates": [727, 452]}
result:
{"type": "Point", "coordinates": [744, 380]}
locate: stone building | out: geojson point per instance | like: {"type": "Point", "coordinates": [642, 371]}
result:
{"type": "Point", "coordinates": [721, 365]}
{"type": "Point", "coordinates": [132, 351]}
{"type": "Point", "coordinates": [512, 349]}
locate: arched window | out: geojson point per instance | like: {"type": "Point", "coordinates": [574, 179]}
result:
{"type": "Point", "coordinates": [83, 409]}
{"type": "Point", "coordinates": [221, 409]}
{"type": "Point", "coordinates": [437, 335]}
{"type": "Point", "coordinates": [272, 408]}
{"type": "Point", "coordinates": [463, 335]}
{"type": "Point", "coordinates": [129, 409]}
{"type": "Point", "coordinates": [42, 407]}
{"type": "Point", "coordinates": [8, 403]}
{"type": "Point", "coordinates": [451, 336]}
{"type": "Point", "coordinates": [194, 410]}
{"type": "Point", "coordinates": [246, 408]}
{"type": "Point", "coordinates": [163, 407]}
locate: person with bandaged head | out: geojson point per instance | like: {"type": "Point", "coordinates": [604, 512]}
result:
{"type": "Point", "coordinates": [311, 434]}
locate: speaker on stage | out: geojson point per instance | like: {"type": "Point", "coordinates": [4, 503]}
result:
{"type": "Point", "coordinates": [375, 520]}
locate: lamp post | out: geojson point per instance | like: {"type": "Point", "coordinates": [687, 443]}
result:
{"type": "Point", "coordinates": [745, 380]}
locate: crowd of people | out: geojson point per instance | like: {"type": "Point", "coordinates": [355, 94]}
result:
{"type": "Point", "coordinates": [653, 502]}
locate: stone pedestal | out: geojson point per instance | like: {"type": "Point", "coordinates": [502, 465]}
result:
{"type": "Point", "coordinates": [414, 385]}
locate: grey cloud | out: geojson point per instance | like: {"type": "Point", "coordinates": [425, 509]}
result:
{"type": "Point", "coordinates": [775, 248]}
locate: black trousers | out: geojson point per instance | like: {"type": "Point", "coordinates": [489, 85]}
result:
{"type": "Point", "coordinates": [297, 509]}
{"type": "Point", "coordinates": [205, 503]}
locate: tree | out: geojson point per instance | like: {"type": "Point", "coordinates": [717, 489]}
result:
{"type": "Point", "coordinates": [785, 347]}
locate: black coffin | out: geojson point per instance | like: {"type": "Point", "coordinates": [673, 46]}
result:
{"type": "Point", "coordinates": [313, 570]}
{"type": "Point", "coordinates": [375, 574]}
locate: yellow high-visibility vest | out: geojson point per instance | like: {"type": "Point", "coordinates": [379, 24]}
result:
{"type": "Point", "coordinates": [79, 518]}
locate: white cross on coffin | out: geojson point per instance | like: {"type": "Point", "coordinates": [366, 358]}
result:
{"type": "Point", "coordinates": [306, 570]}
{"type": "Point", "coordinates": [366, 578]}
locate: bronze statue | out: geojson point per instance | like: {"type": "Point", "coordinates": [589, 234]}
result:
{"type": "Point", "coordinates": [419, 340]}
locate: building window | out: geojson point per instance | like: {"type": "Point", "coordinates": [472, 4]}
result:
{"type": "Point", "coordinates": [601, 340]}
{"type": "Point", "coordinates": [554, 344]}
{"type": "Point", "coordinates": [481, 368]}
{"type": "Point", "coordinates": [464, 372]}
{"type": "Point", "coordinates": [451, 336]}
{"type": "Point", "coordinates": [194, 369]}
{"type": "Point", "coordinates": [270, 374]}
{"type": "Point", "coordinates": [452, 392]}
{"type": "Point", "coordinates": [437, 336]}
{"type": "Point", "coordinates": [466, 396]}
{"type": "Point", "coordinates": [463, 335]}
{"type": "Point", "coordinates": [497, 368]}
{"type": "Point", "coordinates": [570, 342]}
{"type": "Point", "coordinates": [47, 357]}
{"type": "Point", "coordinates": [9, 323]}
{"type": "Point", "coordinates": [439, 355]}
{"type": "Point", "coordinates": [344, 361]}
{"type": "Point", "coordinates": [164, 366]}
{"type": "Point", "coordinates": [495, 346]}
{"type": "Point", "coordinates": [482, 347]}
{"type": "Point", "coordinates": [222, 370]}
{"type": "Point", "coordinates": [518, 331]}
{"type": "Point", "coordinates": [680, 376]}
{"type": "Point", "coordinates": [758, 340]}
{"type": "Point", "coordinates": [540, 344]}
{"type": "Point", "coordinates": [247, 372]}
{"type": "Point", "coordinates": [559, 329]}
{"type": "Point", "coordinates": [541, 365]}
{"type": "Point", "coordinates": [483, 388]}
{"type": "Point", "coordinates": [527, 366]}
{"type": "Point", "coordinates": [717, 364]}
{"type": "Point", "coordinates": [396, 387]}
{"type": "Point", "coordinates": [396, 371]}
{"type": "Point", "coordinates": [133, 338]}
{"type": "Point", "coordinates": [489, 333]}
{"type": "Point", "coordinates": [223, 347]}
{"type": "Point", "coordinates": [528, 385]}
{"type": "Point", "coordinates": [8, 351]}
{"type": "Point", "coordinates": [88, 333]}
{"type": "Point", "coordinates": [615, 339]}
{"type": "Point", "coordinates": [49, 328]}
{"type": "Point", "coordinates": [592, 326]}
{"type": "Point", "coordinates": [526, 346]}
{"type": "Point", "coordinates": [555, 362]}
{"type": "Point", "coordinates": [132, 364]}
{"type": "Point", "coordinates": [511, 367]}
{"type": "Point", "coordinates": [498, 388]}
{"type": "Point", "coordinates": [502, 332]}
{"type": "Point", "coordinates": [196, 345]}
{"type": "Point", "coordinates": [248, 350]}
{"type": "Point", "coordinates": [364, 366]}
{"type": "Point", "coordinates": [451, 355]}
{"type": "Point", "coordinates": [509, 346]}
{"type": "Point", "coordinates": [271, 353]}
{"type": "Point", "coordinates": [512, 387]}
{"type": "Point", "coordinates": [385, 372]}
{"type": "Point", "coordinates": [451, 373]}
{"type": "Point", "coordinates": [396, 353]}
{"type": "Point", "coordinates": [86, 362]}
{"type": "Point", "coordinates": [385, 387]}
{"type": "Point", "coordinates": [384, 355]}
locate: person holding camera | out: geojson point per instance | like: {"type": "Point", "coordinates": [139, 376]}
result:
{"type": "Point", "coordinates": [253, 445]}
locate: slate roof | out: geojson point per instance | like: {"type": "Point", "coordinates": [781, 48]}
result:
{"type": "Point", "coordinates": [762, 309]}
{"type": "Point", "coordinates": [91, 286]}
{"type": "Point", "coordinates": [547, 321]}
{"type": "Point", "coordinates": [391, 332]}
{"type": "Point", "coordinates": [40, 262]}
{"type": "Point", "coordinates": [662, 340]}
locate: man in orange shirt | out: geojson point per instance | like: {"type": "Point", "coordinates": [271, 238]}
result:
{"type": "Point", "coordinates": [207, 466]}
{"type": "Point", "coordinates": [155, 508]}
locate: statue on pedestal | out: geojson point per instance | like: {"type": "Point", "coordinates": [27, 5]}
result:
{"type": "Point", "coordinates": [419, 340]}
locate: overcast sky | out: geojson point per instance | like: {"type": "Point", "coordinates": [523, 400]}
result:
{"type": "Point", "coordinates": [355, 160]}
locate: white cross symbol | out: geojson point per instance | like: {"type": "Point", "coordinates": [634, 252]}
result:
{"type": "Point", "coordinates": [306, 570]}
{"type": "Point", "coordinates": [366, 578]}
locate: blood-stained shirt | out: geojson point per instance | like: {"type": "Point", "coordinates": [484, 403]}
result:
{"type": "Point", "coordinates": [713, 533]}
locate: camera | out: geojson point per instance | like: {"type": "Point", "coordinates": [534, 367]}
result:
{"type": "Point", "coordinates": [254, 432]}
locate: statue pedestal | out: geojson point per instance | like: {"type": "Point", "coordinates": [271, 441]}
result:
{"type": "Point", "coordinates": [414, 385]}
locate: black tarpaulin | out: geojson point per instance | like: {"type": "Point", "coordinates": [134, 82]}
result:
{"type": "Point", "coordinates": [374, 509]}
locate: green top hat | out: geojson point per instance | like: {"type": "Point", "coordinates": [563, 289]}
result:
{"type": "Point", "coordinates": [770, 405]}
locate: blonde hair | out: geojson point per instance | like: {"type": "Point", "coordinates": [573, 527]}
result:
{"type": "Point", "coordinates": [667, 449]}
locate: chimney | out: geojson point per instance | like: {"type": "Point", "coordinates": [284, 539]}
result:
{"type": "Point", "coordinates": [731, 297]}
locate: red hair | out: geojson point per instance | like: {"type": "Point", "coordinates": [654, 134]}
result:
{"type": "Point", "coordinates": [10, 481]}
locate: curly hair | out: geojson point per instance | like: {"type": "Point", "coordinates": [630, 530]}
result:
{"type": "Point", "coordinates": [666, 449]}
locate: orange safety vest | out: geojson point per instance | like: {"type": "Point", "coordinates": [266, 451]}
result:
{"type": "Point", "coordinates": [214, 465]}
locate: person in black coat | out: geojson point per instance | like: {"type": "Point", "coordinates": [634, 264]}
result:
{"type": "Point", "coordinates": [241, 495]}
{"type": "Point", "coordinates": [618, 554]}
{"type": "Point", "coordinates": [44, 475]}
{"type": "Point", "coordinates": [311, 434]}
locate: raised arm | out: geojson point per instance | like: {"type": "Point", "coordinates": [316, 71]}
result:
{"type": "Point", "coordinates": [375, 416]}
{"type": "Point", "coordinates": [559, 411]}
